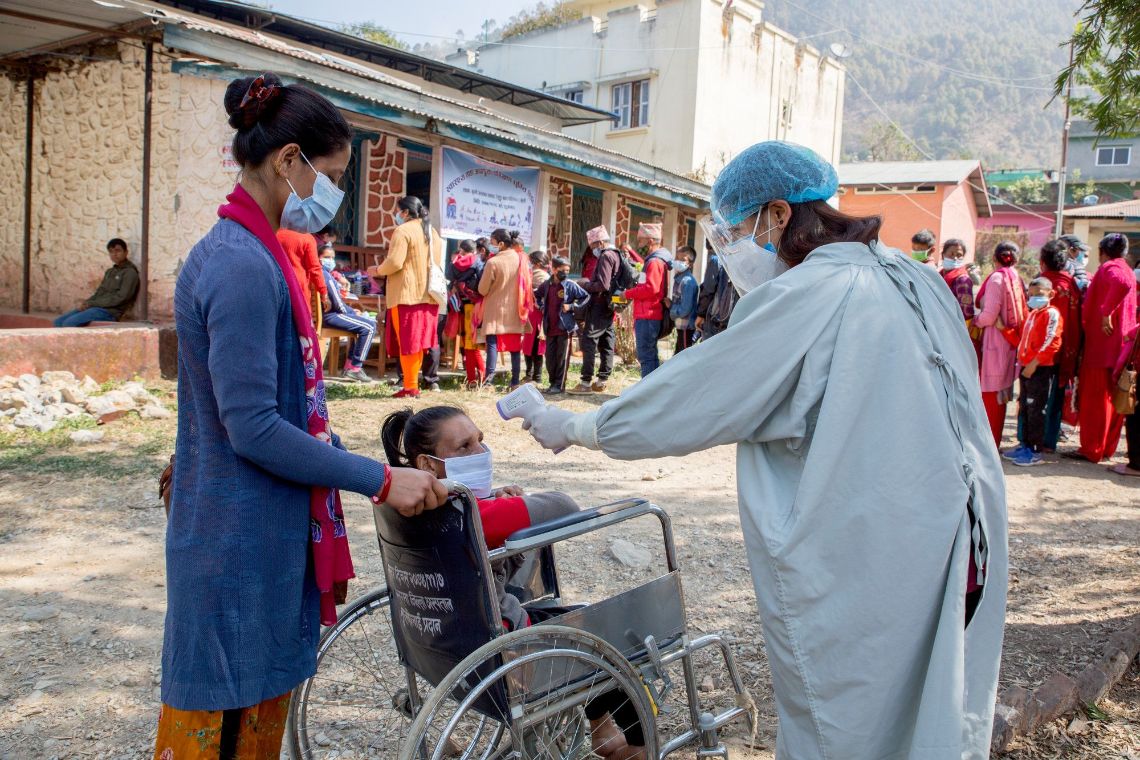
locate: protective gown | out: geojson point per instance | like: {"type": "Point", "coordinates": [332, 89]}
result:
{"type": "Point", "coordinates": [851, 388]}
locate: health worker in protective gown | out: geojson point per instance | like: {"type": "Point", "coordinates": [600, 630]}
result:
{"type": "Point", "coordinates": [871, 496]}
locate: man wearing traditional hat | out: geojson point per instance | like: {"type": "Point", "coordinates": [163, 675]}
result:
{"type": "Point", "coordinates": [648, 296]}
{"type": "Point", "coordinates": [598, 337]}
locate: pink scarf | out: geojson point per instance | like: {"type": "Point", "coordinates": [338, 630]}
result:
{"type": "Point", "coordinates": [526, 289]}
{"type": "Point", "coordinates": [328, 539]}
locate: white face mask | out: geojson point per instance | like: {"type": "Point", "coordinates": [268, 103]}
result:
{"type": "Point", "coordinates": [748, 264]}
{"type": "Point", "coordinates": [473, 471]}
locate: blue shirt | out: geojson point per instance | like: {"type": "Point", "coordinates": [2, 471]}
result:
{"type": "Point", "coordinates": [242, 618]}
{"type": "Point", "coordinates": [684, 308]}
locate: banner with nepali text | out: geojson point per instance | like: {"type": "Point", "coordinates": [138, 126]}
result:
{"type": "Point", "coordinates": [480, 196]}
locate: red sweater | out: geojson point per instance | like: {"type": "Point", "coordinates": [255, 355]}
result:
{"type": "Point", "coordinates": [1041, 337]}
{"type": "Point", "coordinates": [648, 295]}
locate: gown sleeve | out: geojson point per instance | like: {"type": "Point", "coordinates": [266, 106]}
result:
{"type": "Point", "coordinates": [757, 381]}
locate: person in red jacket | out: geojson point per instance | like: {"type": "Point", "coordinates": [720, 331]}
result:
{"type": "Point", "coordinates": [1037, 357]}
{"type": "Point", "coordinates": [648, 296]}
{"type": "Point", "coordinates": [302, 252]}
{"type": "Point", "coordinates": [1108, 314]}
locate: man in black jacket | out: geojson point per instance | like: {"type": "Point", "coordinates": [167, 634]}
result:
{"type": "Point", "coordinates": [715, 280]}
{"type": "Point", "coordinates": [114, 296]}
{"type": "Point", "coordinates": [597, 339]}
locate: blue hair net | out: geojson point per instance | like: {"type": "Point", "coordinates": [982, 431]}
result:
{"type": "Point", "coordinates": [771, 171]}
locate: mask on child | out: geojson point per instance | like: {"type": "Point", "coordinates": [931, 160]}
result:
{"type": "Point", "coordinates": [1038, 302]}
{"type": "Point", "coordinates": [562, 276]}
{"type": "Point", "coordinates": [680, 266]}
{"type": "Point", "coordinates": [918, 255]}
{"type": "Point", "coordinates": [473, 471]}
{"type": "Point", "coordinates": [328, 264]}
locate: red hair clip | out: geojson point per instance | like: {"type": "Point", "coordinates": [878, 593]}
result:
{"type": "Point", "coordinates": [256, 97]}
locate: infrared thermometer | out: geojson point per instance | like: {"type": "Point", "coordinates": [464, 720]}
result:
{"type": "Point", "coordinates": [522, 403]}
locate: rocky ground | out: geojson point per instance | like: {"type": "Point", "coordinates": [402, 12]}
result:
{"type": "Point", "coordinates": [82, 581]}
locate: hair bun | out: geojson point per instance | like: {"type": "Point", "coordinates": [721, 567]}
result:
{"type": "Point", "coordinates": [247, 100]}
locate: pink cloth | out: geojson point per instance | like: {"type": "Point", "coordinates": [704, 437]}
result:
{"type": "Point", "coordinates": [999, 358]}
{"type": "Point", "coordinates": [328, 539]}
{"type": "Point", "coordinates": [1112, 292]}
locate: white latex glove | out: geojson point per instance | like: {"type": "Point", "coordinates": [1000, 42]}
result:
{"type": "Point", "coordinates": [550, 426]}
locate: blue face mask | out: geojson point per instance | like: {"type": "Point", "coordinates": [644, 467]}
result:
{"type": "Point", "coordinates": [680, 266]}
{"type": "Point", "coordinates": [1038, 302]}
{"type": "Point", "coordinates": [314, 213]}
{"type": "Point", "coordinates": [398, 218]}
{"type": "Point", "coordinates": [492, 249]}
{"type": "Point", "coordinates": [328, 264]}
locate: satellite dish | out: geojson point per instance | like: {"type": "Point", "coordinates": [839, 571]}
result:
{"type": "Point", "coordinates": [1090, 200]}
{"type": "Point", "coordinates": [839, 50]}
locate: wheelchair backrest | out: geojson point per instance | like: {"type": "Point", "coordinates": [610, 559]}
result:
{"type": "Point", "coordinates": [442, 594]}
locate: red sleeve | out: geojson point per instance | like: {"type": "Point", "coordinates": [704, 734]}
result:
{"type": "Point", "coordinates": [653, 289]}
{"type": "Point", "coordinates": [312, 263]}
{"type": "Point", "coordinates": [502, 517]}
{"type": "Point", "coordinates": [1116, 291]}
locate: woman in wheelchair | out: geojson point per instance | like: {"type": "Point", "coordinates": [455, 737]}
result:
{"type": "Point", "coordinates": [444, 441]}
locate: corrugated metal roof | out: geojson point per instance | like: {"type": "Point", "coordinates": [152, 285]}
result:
{"type": "Point", "coordinates": [375, 86]}
{"type": "Point", "coordinates": [1121, 210]}
{"type": "Point", "coordinates": [35, 25]}
{"type": "Point", "coordinates": [905, 172]}
{"type": "Point", "coordinates": [272, 21]}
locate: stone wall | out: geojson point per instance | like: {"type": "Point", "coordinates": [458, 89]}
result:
{"type": "Point", "coordinates": [384, 177]}
{"type": "Point", "coordinates": [13, 94]}
{"type": "Point", "coordinates": [87, 174]}
{"type": "Point", "coordinates": [621, 227]}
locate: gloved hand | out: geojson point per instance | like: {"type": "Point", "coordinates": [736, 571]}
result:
{"type": "Point", "coordinates": [549, 427]}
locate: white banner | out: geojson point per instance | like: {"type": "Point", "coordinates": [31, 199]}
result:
{"type": "Point", "coordinates": [480, 196]}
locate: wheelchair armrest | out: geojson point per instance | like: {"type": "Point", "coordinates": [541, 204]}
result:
{"type": "Point", "coordinates": [586, 521]}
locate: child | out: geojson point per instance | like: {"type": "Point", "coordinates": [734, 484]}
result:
{"type": "Point", "coordinates": [464, 272]}
{"type": "Point", "coordinates": [685, 292]}
{"type": "Point", "coordinates": [558, 301]}
{"type": "Point", "coordinates": [534, 343]}
{"type": "Point", "coordinates": [445, 442]}
{"type": "Point", "coordinates": [341, 316]}
{"type": "Point", "coordinates": [1036, 355]}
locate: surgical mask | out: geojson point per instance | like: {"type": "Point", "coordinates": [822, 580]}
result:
{"type": "Point", "coordinates": [473, 471]}
{"type": "Point", "coordinates": [680, 266]}
{"type": "Point", "coordinates": [952, 263]}
{"type": "Point", "coordinates": [918, 255]}
{"type": "Point", "coordinates": [748, 264]}
{"type": "Point", "coordinates": [492, 249]}
{"type": "Point", "coordinates": [328, 264]}
{"type": "Point", "coordinates": [1082, 258]}
{"type": "Point", "coordinates": [398, 218]}
{"type": "Point", "coordinates": [1038, 302]}
{"type": "Point", "coordinates": [562, 276]}
{"type": "Point", "coordinates": [315, 212]}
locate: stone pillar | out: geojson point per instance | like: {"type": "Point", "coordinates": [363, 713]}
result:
{"type": "Point", "coordinates": [539, 230]}
{"type": "Point", "coordinates": [620, 231]}
{"type": "Point", "coordinates": [384, 175]}
{"type": "Point", "coordinates": [435, 193]}
{"type": "Point", "coordinates": [669, 234]}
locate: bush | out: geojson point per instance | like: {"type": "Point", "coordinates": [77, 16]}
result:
{"type": "Point", "coordinates": [539, 17]}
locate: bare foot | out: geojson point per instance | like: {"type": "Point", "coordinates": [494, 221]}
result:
{"type": "Point", "coordinates": [1123, 469]}
{"type": "Point", "coordinates": [628, 752]}
{"type": "Point", "coordinates": [605, 737]}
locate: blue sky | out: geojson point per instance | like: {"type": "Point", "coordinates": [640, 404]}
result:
{"type": "Point", "coordinates": [410, 21]}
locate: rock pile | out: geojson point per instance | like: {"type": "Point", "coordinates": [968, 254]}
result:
{"type": "Point", "coordinates": [41, 403]}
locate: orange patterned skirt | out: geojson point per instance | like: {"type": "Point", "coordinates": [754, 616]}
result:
{"type": "Point", "coordinates": [248, 733]}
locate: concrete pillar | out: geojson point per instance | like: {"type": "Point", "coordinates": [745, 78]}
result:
{"type": "Point", "coordinates": [436, 195]}
{"type": "Point", "coordinates": [541, 219]}
{"type": "Point", "coordinates": [669, 228]}
{"type": "Point", "coordinates": [609, 211]}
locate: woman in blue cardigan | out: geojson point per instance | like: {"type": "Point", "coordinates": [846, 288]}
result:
{"type": "Point", "coordinates": [256, 551]}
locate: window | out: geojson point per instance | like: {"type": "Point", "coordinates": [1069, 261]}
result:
{"type": "Point", "coordinates": [1120, 155]}
{"type": "Point", "coordinates": [631, 104]}
{"type": "Point", "coordinates": [574, 96]}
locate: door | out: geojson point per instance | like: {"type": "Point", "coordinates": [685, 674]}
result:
{"type": "Point", "coordinates": [586, 214]}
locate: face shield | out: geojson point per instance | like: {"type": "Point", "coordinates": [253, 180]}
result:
{"type": "Point", "coordinates": [747, 263]}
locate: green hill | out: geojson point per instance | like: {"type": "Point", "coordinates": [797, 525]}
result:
{"type": "Point", "coordinates": [964, 78]}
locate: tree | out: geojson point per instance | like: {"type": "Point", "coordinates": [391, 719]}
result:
{"type": "Point", "coordinates": [367, 30]}
{"type": "Point", "coordinates": [1106, 57]}
{"type": "Point", "coordinates": [540, 16]}
{"type": "Point", "coordinates": [1029, 190]}
{"type": "Point", "coordinates": [888, 143]}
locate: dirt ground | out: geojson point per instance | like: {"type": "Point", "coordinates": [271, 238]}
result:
{"type": "Point", "coordinates": [82, 574]}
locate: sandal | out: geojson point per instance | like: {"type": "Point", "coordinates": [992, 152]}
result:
{"type": "Point", "coordinates": [1125, 470]}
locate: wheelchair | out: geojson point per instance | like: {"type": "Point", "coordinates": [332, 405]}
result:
{"type": "Point", "coordinates": [423, 668]}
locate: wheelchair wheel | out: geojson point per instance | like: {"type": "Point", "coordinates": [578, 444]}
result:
{"type": "Point", "coordinates": [358, 699]}
{"type": "Point", "coordinates": [537, 684]}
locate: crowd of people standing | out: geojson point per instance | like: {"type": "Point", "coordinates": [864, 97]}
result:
{"type": "Point", "coordinates": [1064, 346]}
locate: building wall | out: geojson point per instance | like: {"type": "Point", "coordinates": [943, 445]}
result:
{"type": "Point", "coordinates": [959, 217]}
{"type": "Point", "coordinates": [714, 89]}
{"type": "Point", "coordinates": [1082, 156]}
{"type": "Point", "coordinates": [903, 215]}
{"type": "Point", "coordinates": [756, 84]}
{"type": "Point", "coordinates": [13, 95]}
{"type": "Point", "coordinates": [1040, 230]}
{"type": "Point", "coordinates": [385, 172]}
